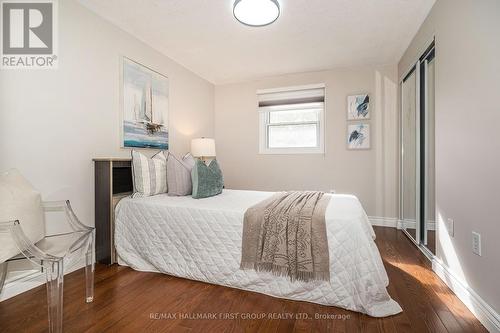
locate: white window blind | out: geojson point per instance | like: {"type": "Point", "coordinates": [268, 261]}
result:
{"type": "Point", "coordinates": [292, 120]}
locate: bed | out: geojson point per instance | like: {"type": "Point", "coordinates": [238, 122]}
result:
{"type": "Point", "coordinates": [200, 239]}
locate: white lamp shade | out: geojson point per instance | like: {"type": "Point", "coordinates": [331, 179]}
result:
{"type": "Point", "coordinates": [203, 147]}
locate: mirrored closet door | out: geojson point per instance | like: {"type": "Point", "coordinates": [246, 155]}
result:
{"type": "Point", "coordinates": [417, 175]}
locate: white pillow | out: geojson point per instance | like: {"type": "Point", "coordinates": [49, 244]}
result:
{"type": "Point", "coordinates": [149, 174]}
{"type": "Point", "coordinates": [19, 201]}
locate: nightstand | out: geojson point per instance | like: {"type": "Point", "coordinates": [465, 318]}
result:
{"type": "Point", "coordinates": [113, 182]}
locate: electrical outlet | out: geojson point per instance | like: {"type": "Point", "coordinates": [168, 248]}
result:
{"type": "Point", "coordinates": [476, 243]}
{"type": "Point", "coordinates": [450, 226]}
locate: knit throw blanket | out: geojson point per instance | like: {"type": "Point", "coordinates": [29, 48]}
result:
{"type": "Point", "coordinates": [286, 235]}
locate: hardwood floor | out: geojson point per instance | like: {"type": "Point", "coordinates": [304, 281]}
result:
{"type": "Point", "coordinates": [130, 301]}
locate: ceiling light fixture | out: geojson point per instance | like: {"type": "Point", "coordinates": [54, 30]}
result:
{"type": "Point", "coordinates": [256, 13]}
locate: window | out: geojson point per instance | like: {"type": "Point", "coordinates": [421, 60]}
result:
{"type": "Point", "coordinates": [292, 120]}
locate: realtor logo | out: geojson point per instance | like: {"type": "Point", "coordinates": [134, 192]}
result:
{"type": "Point", "coordinates": [29, 34]}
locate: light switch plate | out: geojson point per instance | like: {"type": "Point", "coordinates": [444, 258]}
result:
{"type": "Point", "coordinates": [476, 243]}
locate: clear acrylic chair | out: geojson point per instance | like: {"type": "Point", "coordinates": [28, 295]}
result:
{"type": "Point", "coordinates": [55, 253]}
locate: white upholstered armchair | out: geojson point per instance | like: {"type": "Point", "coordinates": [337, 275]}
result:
{"type": "Point", "coordinates": [22, 234]}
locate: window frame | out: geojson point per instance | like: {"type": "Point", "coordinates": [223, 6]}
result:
{"type": "Point", "coordinates": [264, 124]}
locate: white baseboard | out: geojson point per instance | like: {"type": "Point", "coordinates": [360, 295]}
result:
{"type": "Point", "coordinates": [391, 222]}
{"type": "Point", "coordinates": [482, 310]}
{"type": "Point", "coordinates": [29, 281]}
{"type": "Point", "coordinates": [394, 222]}
{"type": "Point", "coordinates": [412, 224]}
{"type": "Point", "coordinates": [21, 285]}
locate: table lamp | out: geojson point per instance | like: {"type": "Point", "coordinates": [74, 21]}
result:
{"type": "Point", "coordinates": [203, 148]}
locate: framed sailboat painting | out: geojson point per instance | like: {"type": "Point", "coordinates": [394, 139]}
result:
{"type": "Point", "coordinates": [145, 107]}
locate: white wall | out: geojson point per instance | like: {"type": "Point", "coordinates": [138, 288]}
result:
{"type": "Point", "coordinates": [371, 174]}
{"type": "Point", "coordinates": [53, 122]}
{"type": "Point", "coordinates": [467, 129]}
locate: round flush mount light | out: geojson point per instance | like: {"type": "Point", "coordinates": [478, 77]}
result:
{"type": "Point", "coordinates": [256, 13]}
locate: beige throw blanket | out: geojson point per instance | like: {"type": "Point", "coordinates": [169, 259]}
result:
{"type": "Point", "coordinates": [286, 235]}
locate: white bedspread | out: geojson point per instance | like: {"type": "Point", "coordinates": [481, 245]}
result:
{"type": "Point", "coordinates": [201, 240]}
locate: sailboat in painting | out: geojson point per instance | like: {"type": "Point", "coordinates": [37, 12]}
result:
{"type": "Point", "coordinates": [144, 111]}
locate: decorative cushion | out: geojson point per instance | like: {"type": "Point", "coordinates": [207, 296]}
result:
{"type": "Point", "coordinates": [19, 201]}
{"type": "Point", "coordinates": [149, 174]}
{"type": "Point", "coordinates": [179, 175]}
{"type": "Point", "coordinates": [207, 180]}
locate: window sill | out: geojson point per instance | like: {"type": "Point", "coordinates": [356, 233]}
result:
{"type": "Point", "coordinates": [291, 151]}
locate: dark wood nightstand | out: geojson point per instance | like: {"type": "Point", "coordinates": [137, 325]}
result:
{"type": "Point", "coordinates": [113, 181]}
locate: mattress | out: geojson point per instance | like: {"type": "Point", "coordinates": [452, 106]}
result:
{"type": "Point", "coordinates": [200, 239]}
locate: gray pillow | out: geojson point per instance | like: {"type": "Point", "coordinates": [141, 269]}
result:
{"type": "Point", "coordinates": [179, 175]}
{"type": "Point", "coordinates": [207, 180]}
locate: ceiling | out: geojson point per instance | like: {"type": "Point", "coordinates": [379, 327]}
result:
{"type": "Point", "coordinates": [310, 35]}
